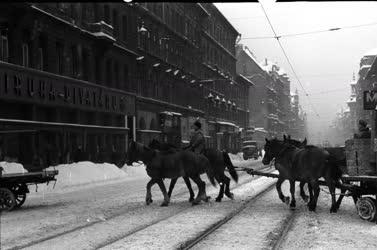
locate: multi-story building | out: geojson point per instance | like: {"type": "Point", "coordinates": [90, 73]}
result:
{"type": "Point", "coordinates": [87, 77]}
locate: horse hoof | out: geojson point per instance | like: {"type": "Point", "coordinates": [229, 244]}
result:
{"type": "Point", "coordinates": [191, 199]}
{"type": "Point", "coordinates": [305, 198]}
{"type": "Point", "coordinates": [311, 207]}
{"type": "Point", "coordinates": [292, 205]}
{"type": "Point", "coordinates": [148, 201]}
{"type": "Point", "coordinates": [164, 204]}
{"type": "Point", "coordinates": [207, 198]}
{"type": "Point", "coordinates": [218, 199]}
{"type": "Point", "coordinates": [333, 210]}
{"type": "Point", "coordinates": [195, 202]}
{"type": "Point", "coordinates": [287, 200]}
{"type": "Point", "coordinates": [230, 196]}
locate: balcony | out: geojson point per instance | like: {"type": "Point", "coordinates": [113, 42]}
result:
{"type": "Point", "coordinates": [102, 31]}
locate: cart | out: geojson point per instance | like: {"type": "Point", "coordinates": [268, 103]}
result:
{"type": "Point", "coordinates": [357, 180]}
{"type": "Point", "coordinates": [14, 187]}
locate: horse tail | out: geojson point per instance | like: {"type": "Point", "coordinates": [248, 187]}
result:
{"type": "Point", "coordinates": [210, 173]}
{"type": "Point", "coordinates": [230, 166]}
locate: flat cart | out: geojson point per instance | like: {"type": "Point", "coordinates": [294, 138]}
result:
{"type": "Point", "coordinates": [362, 188]}
{"type": "Point", "coordinates": [14, 187]}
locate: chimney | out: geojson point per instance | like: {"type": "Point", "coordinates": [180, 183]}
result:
{"type": "Point", "coordinates": [265, 61]}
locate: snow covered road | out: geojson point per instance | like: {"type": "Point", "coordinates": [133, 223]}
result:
{"type": "Point", "coordinates": [113, 215]}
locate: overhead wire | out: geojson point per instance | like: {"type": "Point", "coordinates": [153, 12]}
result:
{"type": "Point", "coordinates": [289, 62]}
{"type": "Point", "coordinates": [311, 32]}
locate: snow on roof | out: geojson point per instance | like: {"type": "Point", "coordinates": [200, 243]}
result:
{"type": "Point", "coordinates": [251, 55]}
{"type": "Point", "coordinates": [372, 52]}
{"type": "Point", "coordinates": [364, 67]}
{"type": "Point", "coordinates": [243, 77]}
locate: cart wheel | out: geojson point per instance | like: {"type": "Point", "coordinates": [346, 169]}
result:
{"type": "Point", "coordinates": [7, 199]}
{"type": "Point", "coordinates": [366, 208]}
{"type": "Point", "coordinates": [19, 194]}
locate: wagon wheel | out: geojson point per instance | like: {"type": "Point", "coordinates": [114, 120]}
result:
{"type": "Point", "coordinates": [7, 199]}
{"type": "Point", "coordinates": [366, 208]}
{"type": "Point", "coordinates": [19, 194]}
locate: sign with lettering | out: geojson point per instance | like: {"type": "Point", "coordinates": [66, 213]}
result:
{"type": "Point", "coordinates": [370, 100]}
{"type": "Point", "coordinates": [44, 88]}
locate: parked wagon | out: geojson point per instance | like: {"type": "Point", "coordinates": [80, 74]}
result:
{"type": "Point", "coordinates": [14, 187]}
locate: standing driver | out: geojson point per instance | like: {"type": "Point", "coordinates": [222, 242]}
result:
{"type": "Point", "coordinates": [197, 142]}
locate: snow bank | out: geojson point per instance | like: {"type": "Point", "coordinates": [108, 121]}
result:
{"type": "Point", "coordinates": [12, 167]}
{"type": "Point", "coordinates": [86, 174]}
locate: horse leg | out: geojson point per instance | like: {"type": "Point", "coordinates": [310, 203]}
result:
{"type": "Point", "coordinates": [221, 191]}
{"type": "Point", "coordinates": [280, 193]}
{"type": "Point", "coordinates": [331, 186]}
{"type": "Point", "coordinates": [188, 184]}
{"type": "Point", "coordinates": [202, 190]}
{"type": "Point", "coordinates": [148, 197]}
{"type": "Point", "coordinates": [171, 186]}
{"type": "Point", "coordinates": [227, 188]}
{"type": "Point", "coordinates": [166, 201]}
{"type": "Point", "coordinates": [313, 201]}
{"type": "Point", "coordinates": [292, 190]}
{"type": "Point", "coordinates": [302, 192]}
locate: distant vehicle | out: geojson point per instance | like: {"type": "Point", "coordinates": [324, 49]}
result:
{"type": "Point", "coordinates": [250, 150]}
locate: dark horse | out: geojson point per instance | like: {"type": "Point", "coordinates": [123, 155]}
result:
{"type": "Point", "coordinates": [307, 164]}
{"type": "Point", "coordinates": [337, 156]}
{"type": "Point", "coordinates": [219, 160]}
{"type": "Point", "coordinates": [161, 165]}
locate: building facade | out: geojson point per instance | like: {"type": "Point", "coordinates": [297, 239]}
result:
{"type": "Point", "coordinates": [85, 78]}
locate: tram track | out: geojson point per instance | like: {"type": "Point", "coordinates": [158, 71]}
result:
{"type": "Point", "coordinates": [212, 228]}
{"type": "Point", "coordinates": [114, 216]}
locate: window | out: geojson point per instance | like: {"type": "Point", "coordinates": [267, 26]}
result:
{"type": "Point", "coordinates": [25, 55]}
{"type": "Point", "coordinates": [109, 79]}
{"type": "Point", "coordinates": [85, 64]}
{"type": "Point", "coordinates": [115, 23]}
{"type": "Point", "coordinates": [106, 14]}
{"type": "Point", "coordinates": [40, 59]}
{"type": "Point", "coordinates": [59, 58]}
{"type": "Point", "coordinates": [124, 24]}
{"type": "Point", "coordinates": [4, 50]}
{"type": "Point", "coordinates": [126, 76]}
{"type": "Point", "coordinates": [116, 75]}
{"type": "Point", "coordinates": [75, 63]}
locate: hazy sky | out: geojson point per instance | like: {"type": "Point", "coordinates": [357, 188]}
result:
{"type": "Point", "coordinates": [323, 61]}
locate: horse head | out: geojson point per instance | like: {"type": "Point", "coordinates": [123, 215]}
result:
{"type": "Point", "coordinates": [272, 148]}
{"type": "Point", "coordinates": [294, 142]}
{"type": "Point", "coordinates": [138, 152]}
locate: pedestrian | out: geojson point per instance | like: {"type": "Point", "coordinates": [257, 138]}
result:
{"type": "Point", "coordinates": [197, 142]}
{"type": "Point", "coordinates": [364, 131]}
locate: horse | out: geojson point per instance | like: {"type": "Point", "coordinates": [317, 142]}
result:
{"type": "Point", "coordinates": [219, 160]}
{"type": "Point", "coordinates": [299, 144]}
{"type": "Point", "coordinates": [161, 165]}
{"type": "Point", "coordinates": [337, 157]}
{"type": "Point", "coordinates": [307, 164]}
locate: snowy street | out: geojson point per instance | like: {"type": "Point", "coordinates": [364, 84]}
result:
{"type": "Point", "coordinates": [113, 215]}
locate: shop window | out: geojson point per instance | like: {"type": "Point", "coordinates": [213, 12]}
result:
{"type": "Point", "coordinates": [75, 63]}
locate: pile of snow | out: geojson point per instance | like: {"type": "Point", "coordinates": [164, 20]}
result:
{"type": "Point", "coordinates": [86, 172]}
{"type": "Point", "coordinates": [236, 157]}
{"type": "Point", "coordinates": [136, 171]}
{"type": "Point", "coordinates": [12, 167]}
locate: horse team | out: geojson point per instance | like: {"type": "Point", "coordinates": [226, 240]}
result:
{"type": "Point", "coordinates": [294, 160]}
